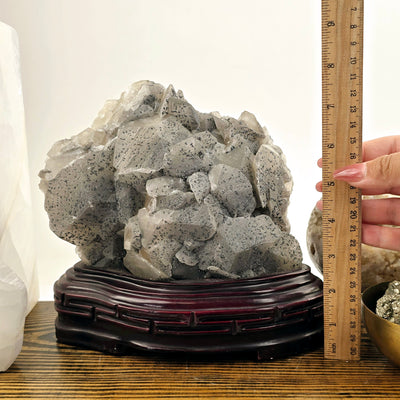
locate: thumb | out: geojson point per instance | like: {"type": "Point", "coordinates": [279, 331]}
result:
{"type": "Point", "coordinates": [378, 176]}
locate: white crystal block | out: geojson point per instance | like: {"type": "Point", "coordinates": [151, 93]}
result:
{"type": "Point", "coordinates": [13, 301]}
{"type": "Point", "coordinates": [18, 280]}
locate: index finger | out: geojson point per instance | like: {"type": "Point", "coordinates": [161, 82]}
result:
{"type": "Point", "coordinates": [379, 147]}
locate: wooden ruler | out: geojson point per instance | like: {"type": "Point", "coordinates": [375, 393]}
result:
{"type": "Point", "coordinates": [342, 60]}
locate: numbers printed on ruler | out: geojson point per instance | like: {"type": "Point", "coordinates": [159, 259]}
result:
{"type": "Point", "coordinates": [342, 56]}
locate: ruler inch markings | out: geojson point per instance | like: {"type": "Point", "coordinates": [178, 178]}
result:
{"type": "Point", "coordinates": [342, 58]}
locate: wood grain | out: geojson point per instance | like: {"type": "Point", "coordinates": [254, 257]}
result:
{"type": "Point", "coordinates": [48, 370]}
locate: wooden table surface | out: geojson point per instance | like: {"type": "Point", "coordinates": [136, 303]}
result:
{"type": "Point", "coordinates": [48, 370]}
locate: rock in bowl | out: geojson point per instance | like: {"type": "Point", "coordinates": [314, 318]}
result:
{"type": "Point", "coordinates": [384, 334]}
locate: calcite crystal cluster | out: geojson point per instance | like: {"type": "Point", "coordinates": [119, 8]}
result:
{"type": "Point", "coordinates": [172, 193]}
{"type": "Point", "coordinates": [388, 306]}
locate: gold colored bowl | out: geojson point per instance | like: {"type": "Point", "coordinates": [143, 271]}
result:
{"type": "Point", "coordinates": [384, 334]}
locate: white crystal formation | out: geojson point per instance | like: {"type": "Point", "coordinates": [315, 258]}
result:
{"type": "Point", "coordinates": [18, 279]}
{"type": "Point", "coordinates": [172, 193]}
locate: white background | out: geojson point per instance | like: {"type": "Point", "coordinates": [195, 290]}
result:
{"type": "Point", "coordinates": [226, 55]}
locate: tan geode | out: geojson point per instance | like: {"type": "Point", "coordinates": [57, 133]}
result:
{"type": "Point", "coordinates": [377, 265]}
{"type": "Point", "coordinates": [172, 193]}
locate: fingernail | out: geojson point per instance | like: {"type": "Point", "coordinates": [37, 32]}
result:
{"type": "Point", "coordinates": [352, 173]}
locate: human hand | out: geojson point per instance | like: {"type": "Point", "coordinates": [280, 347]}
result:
{"type": "Point", "coordinates": [379, 173]}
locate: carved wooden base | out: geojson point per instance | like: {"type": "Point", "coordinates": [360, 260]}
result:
{"type": "Point", "coordinates": [273, 316]}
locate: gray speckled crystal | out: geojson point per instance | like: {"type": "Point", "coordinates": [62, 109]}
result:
{"type": "Point", "coordinates": [251, 246]}
{"type": "Point", "coordinates": [132, 234]}
{"type": "Point", "coordinates": [190, 155]}
{"type": "Point", "coordinates": [163, 186]}
{"type": "Point", "coordinates": [187, 257]}
{"type": "Point", "coordinates": [388, 306]}
{"type": "Point", "coordinates": [170, 192]}
{"type": "Point", "coordinates": [199, 185]}
{"type": "Point", "coordinates": [234, 191]}
{"type": "Point", "coordinates": [174, 201]}
{"type": "Point", "coordinates": [273, 183]}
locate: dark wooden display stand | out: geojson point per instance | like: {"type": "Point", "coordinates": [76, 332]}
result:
{"type": "Point", "coordinates": [111, 311]}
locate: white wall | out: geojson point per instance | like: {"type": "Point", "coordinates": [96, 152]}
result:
{"type": "Point", "coordinates": [226, 55]}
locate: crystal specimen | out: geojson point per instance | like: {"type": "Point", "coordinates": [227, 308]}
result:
{"type": "Point", "coordinates": [18, 278]}
{"type": "Point", "coordinates": [388, 306]}
{"type": "Point", "coordinates": [172, 193]}
{"type": "Point", "coordinates": [377, 265]}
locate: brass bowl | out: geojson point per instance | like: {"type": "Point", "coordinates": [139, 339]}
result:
{"type": "Point", "coordinates": [384, 334]}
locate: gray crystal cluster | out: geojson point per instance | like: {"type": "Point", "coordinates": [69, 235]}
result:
{"type": "Point", "coordinates": [388, 306]}
{"type": "Point", "coordinates": [170, 192]}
